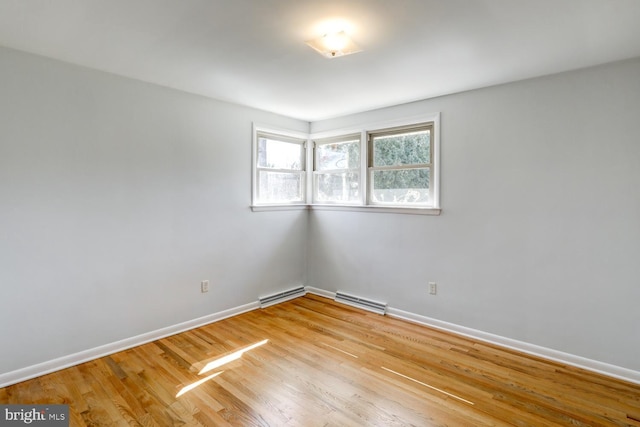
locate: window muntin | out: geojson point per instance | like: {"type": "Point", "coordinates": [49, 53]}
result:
{"type": "Point", "coordinates": [336, 176]}
{"type": "Point", "coordinates": [280, 171]}
{"type": "Point", "coordinates": [391, 169]}
{"type": "Point", "coordinates": [400, 166]}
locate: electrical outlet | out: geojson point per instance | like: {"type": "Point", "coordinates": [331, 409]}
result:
{"type": "Point", "coordinates": [204, 286]}
{"type": "Point", "coordinates": [433, 288]}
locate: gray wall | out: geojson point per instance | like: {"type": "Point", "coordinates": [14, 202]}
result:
{"type": "Point", "coordinates": [539, 237]}
{"type": "Point", "coordinates": [116, 199]}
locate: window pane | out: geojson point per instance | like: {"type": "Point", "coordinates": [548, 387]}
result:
{"type": "Point", "coordinates": [402, 149]}
{"type": "Point", "coordinates": [400, 186]}
{"type": "Point", "coordinates": [278, 187]}
{"type": "Point", "coordinates": [274, 154]}
{"type": "Point", "coordinates": [339, 155]}
{"type": "Point", "coordinates": [337, 187]}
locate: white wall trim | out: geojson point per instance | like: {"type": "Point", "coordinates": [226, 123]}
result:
{"type": "Point", "coordinates": [266, 208]}
{"type": "Point", "coordinates": [377, 209]}
{"type": "Point", "coordinates": [521, 346]}
{"type": "Point", "coordinates": [524, 347]}
{"type": "Point", "coordinates": [320, 292]}
{"type": "Point", "coordinates": [63, 362]}
{"type": "Point", "coordinates": [44, 368]}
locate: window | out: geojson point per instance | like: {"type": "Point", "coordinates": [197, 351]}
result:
{"type": "Point", "coordinates": [279, 169]}
{"type": "Point", "coordinates": [336, 172]}
{"type": "Point", "coordinates": [391, 168]}
{"type": "Point", "coordinates": [400, 167]}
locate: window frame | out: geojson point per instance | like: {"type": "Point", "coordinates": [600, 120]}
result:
{"type": "Point", "coordinates": [283, 136]}
{"type": "Point", "coordinates": [380, 126]}
{"type": "Point", "coordinates": [371, 168]}
{"type": "Point", "coordinates": [363, 130]}
{"type": "Point", "coordinates": [354, 137]}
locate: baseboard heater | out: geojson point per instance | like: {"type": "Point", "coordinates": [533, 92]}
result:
{"type": "Point", "coordinates": [281, 297]}
{"type": "Point", "coordinates": [374, 306]}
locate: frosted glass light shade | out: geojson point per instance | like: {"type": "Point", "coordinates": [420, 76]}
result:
{"type": "Point", "coordinates": [333, 45]}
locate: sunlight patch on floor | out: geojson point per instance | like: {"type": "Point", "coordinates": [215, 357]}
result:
{"type": "Point", "coordinates": [341, 351]}
{"type": "Point", "coordinates": [196, 384]}
{"type": "Point", "coordinates": [229, 357]}
{"type": "Point", "coordinates": [428, 386]}
{"type": "Point", "coordinates": [217, 363]}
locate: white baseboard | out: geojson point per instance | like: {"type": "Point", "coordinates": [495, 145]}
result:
{"type": "Point", "coordinates": [320, 292]}
{"type": "Point", "coordinates": [33, 371]}
{"type": "Point", "coordinates": [47, 367]}
{"type": "Point", "coordinates": [524, 347]}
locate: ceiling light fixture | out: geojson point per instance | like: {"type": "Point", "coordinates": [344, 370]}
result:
{"type": "Point", "coordinates": [333, 45]}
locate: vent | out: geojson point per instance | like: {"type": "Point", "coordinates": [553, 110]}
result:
{"type": "Point", "coordinates": [376, 307]}
{"type": "Point", "coordinates": [281, 297]}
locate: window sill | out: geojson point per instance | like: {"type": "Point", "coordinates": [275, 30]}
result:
{"type": "Point", "coordinates": [378, 209]}
{"type": "Point", "coordinates": [266, 208]}
{"type": "Point", "coordinates": [354, 208]}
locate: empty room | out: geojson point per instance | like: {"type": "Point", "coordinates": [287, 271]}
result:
{"type": "Point", "coordinates": [320, 212]}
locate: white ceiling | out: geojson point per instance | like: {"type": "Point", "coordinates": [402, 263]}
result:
{"type": "Point", "coordinates": [252, 52]}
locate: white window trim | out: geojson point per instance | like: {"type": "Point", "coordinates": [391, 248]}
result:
{"type": "Point", "coordinates": [291, 207]}
{"type": "Point", "coordinates": [363, 130]}
{"type": "Point", "coordinates": [257, 206]}
{"type": "Point", "coordinates": [371, 135]}
{"type": "Point", "coordinates": [378, 209]}
{"type": "Point", "coordinates": [314, 144]}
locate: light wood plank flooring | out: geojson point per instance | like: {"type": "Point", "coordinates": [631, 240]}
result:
{"type": "Point", "coordinates": [328, 364]}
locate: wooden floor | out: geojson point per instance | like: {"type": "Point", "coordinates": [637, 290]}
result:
{"type": "Point", "coordinates": [328, 364]}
